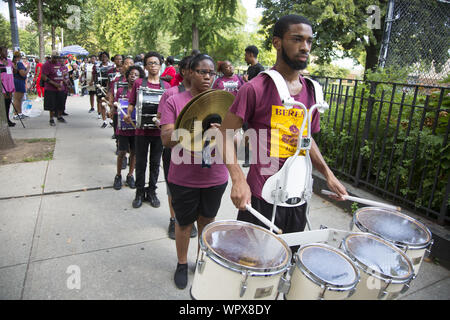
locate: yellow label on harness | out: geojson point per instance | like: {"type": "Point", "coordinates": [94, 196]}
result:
{"type": "Point", "coordinates": [285, 127]}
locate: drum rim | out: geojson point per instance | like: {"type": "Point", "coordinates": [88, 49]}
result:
{"type": "Point", "coordinates": [375, 273]}
{"type": "Point", "coordinates": [316, 279]}
{"type": "Point", "coordinates": [238, 267]}
{"type": "Point", "coordinates": [403, 244]}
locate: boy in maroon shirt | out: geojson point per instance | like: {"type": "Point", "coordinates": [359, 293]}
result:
{"type": "Point", "coordinates": [147, 137]}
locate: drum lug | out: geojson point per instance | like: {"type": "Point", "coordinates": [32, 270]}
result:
{"type": "Point", "coordinates": [383, 292]}
{"type": "Point", "coordinates": [322, 294]}
{"type": "Point", "coordinates": [284, 285]}
{"type": "Point", "coordinates": [428, 250]}
{"type": "Point", "coordinates": [405, 288]}
{"type": "Point", "coordinates": [243, 284]}
{"type": "Point", "coordinates": [201, 264]}
{"type": "Point", "coordinates": [351, 292]}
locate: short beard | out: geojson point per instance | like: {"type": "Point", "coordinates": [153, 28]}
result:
{"type": "Point", "coordinates": [292, 64]}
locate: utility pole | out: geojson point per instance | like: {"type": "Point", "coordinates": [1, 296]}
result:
{"type": "Point", "coordinates": [13, 22]}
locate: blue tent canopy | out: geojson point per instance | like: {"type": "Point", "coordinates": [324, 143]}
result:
{"type": "Point", "coordinates": [75, 50]}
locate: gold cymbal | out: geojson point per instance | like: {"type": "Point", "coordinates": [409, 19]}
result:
{"type": "Point", "coordinates": [208, 107]}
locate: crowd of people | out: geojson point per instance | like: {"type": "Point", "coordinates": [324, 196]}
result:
{"type": "Point", "coordinates": [194, 190]}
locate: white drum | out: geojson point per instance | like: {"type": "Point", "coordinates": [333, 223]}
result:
{"type": "Point", "coordinates": [406, 233]}
{"type": "Point", "coordinates": [239, 260]}
{"type": "Point", "coordinates": [89, 76]}
{"type": "Point", "coordinates": [147, 107]}
{"type": "Point", "coordinates": [322, 272]}
{"type": "Point", "coordinates": [386, 271]}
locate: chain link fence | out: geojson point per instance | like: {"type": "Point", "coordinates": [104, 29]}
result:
{"type": "Point", "coordinates": [417, 40]}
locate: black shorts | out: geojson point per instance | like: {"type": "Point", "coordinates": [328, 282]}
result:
{"type": "Point", "coordinates": [190, 203]}
{"type": "Point", "coordinates": [288, 219]}
{"type": "Point", "coordinates": [126, 143]}
{"type": "Point", "coordinates": [54, 100]}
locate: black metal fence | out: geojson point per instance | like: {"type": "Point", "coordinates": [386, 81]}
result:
{"type": "Point", "coordinates": [390, 139]}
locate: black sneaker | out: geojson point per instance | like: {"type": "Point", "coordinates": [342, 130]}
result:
{"type": "Point", "coordinates": [11, 124]}
{"type": "Point", "coordinates": [104, 125]}
{"type": "Point", "coordinates": [130, 182]}
{"type": "Point", "coordinates": [153, 199]}
{"type": "Point", "coordinates": [181, 276]}
{"type": "Point", "coordinates": [117, 182]}
{"type": "Point", "coordinates": [52, 122]}
{"type": "Point", "coordinates": [65, 114]}
{"type": "Point", "coordinates": [137, 202]}
{"type": "Point", "coordinates": [193, 231]}
{"type": "Point", "coordinates": [171, 229]}
{"type": "Point", "coordinates": [91, 110]}
{"type": "Point", "coordinates": [124, 162]}
{"type": "Point", "coordinates": [61, 119]}
{"type": "Point", "coordinates": [246, 165]}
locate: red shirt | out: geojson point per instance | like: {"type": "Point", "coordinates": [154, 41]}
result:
{"type": "Point", "coordinates": [170, 71]}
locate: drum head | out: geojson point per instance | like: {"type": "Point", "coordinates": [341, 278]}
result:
{"type": "Point", "coordinates": [393, 226]}
{"type": "Point", "coordinates": [245, 246]}
{"type": "Point", "coordinates": [328, 265]}
{"type": "Point", "coordinates": [380, 256]}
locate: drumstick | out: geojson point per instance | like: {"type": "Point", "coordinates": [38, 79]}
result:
{"type": "Point", "coordinates": [123, 112]}
{"type": "Point", "coordinates": [364, 201]}
{"type": "Point", "coordinates": [263, 219]}
{"type": "Point", "coordinates": [156, 121]}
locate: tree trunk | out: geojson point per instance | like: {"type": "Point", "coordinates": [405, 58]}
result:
{"type": "Point", "coordinates": [195, 37]}
{"type": "Point", "coordinates": [53, 38]}
{"type": "Point", "coordinates": [41, 32]}
{"type": "Point", "coordinates": [6, 141]}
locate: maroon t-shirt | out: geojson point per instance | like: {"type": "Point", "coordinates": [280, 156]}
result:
{"type": "Point", "coordinates": [54, 72]}
{"type": "Point", "coordinates": [275, 129]}
{"type": "Point", "coordinates": [187, 171]}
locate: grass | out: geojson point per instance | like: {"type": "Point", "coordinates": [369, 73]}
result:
{"type": "Point", "coordinates": [34, 140]}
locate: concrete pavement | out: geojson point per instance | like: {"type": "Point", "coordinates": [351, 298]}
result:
{"type": "Point", "coordinates": [62, 224]}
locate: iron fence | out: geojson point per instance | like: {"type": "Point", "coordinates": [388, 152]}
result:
{"type": "Point", "coordinates": [390, 139]}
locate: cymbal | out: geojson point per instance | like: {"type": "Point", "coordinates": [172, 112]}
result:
{"type": "Point", "coordinates": [207, 107]}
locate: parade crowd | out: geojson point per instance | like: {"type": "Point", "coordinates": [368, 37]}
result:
{"type": "Point", "coordinates": [194, 190]}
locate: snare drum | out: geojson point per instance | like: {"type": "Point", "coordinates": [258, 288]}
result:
{"type": "Point", "coordinates": [322, 272]}
{"type": "Point", "coordinates": [89, 79]}
{"type": "Point", "coordinates": [385, 270]}
{"type": "Point", "coordinates": [408, 234]}
{"type": "Point", "coordinates": [147, 107]}
{"type": "Point", "coordinates": [102, 80]}
{"type": "Point", "coordinates": [239, 260]}
{"type": "Point", "coordinates": [123, 104]}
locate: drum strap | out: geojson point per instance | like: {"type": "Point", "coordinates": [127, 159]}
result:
{"type": "Point", "coordinates": [161, 84]}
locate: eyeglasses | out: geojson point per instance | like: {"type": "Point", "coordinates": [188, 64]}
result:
{"type": "Point", "coordinates": [205, 72]}
{"type": "Point", "coordinates": [153, 63]}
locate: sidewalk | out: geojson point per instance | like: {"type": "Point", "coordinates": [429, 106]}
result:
{"type": "Point", "coordinates": [61, 217]}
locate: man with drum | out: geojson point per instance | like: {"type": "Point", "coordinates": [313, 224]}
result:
{"type": "Point", "coordinates": [257, 103]}
{"type": "Point", "coordinates": [101, 70]}
{"type": "Point", "coordinates": [147, 137]}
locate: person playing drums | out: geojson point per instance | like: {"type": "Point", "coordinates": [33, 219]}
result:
{"type": "Point", "coordinates": [105, 64]}
{"type": "Point", "coordinates": [196, 190]}
{"type": "Point", "coordinates": [258, 103]}
{"type": "Point", "coordinates": [148, 137]}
